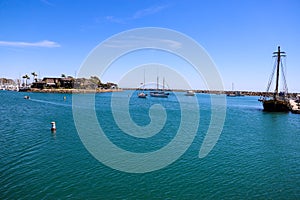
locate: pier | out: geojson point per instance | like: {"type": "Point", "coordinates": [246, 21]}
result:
{"type": "Point", "coordinates": [295, 106]}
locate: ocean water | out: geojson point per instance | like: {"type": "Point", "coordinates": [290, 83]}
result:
{"type": "Point", "coordinates": [257, 155]}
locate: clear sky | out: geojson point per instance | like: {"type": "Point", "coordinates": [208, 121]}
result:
{"type": "Point", "coordinates": [52, 37]}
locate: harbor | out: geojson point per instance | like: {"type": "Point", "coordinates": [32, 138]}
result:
{"type": "Point", "coordinates": [146, 100]}
{"type": "Point", "coordinates": [253, 144]}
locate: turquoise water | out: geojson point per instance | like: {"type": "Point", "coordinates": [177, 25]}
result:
{"type": "Point", "coordinates": [256, 157]}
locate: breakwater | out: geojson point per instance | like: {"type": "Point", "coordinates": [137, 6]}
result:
{"type": "Point", "coordinates": [217, 92]}
{"type": "Point", "coordinates": [246, 93]}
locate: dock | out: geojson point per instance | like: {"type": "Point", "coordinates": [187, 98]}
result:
{"type": "Point", "coordinates": [295, 106]}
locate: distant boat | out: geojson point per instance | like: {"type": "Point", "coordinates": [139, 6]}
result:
{"type": "Point", "coordinates": [190, 93]}
{"type": "Point", "coordinates": [1, 85]}
{"type": "Point", "coordinates": [278, 102]}
{"type": "Point", "coordinates": [231, 95]}
{"type": "Point", "coordinates": [143, 94]}
{"type": "Point", "coordinates": [161, 94]}
{"type": "Point", "coordinates": [24, 89]}
{"type": "Point", "coordinates": [235, 93]}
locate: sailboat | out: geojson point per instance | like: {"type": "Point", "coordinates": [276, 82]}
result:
{"type": "Point", "coordinates": [235, 93]}
{"type": "Point", "coordinates": [190, 93]}
{"type": "Point", "coordinates": [278, 102]}
{"type": "Point", "coordinates": [161, 94]}
{"type": "Point", "coordinates": [143, 94]}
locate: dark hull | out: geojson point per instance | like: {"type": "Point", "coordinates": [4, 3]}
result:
{"type": "Point", "coordinates": [276, 106]}
{"type": "Point", "coordinates": [295, 111]}
{"type": "Point", "coordinates": [159, 94]}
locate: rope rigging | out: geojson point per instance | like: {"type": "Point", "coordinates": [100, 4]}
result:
{"type": "Point", "coordinates": [271, 77]}
{"type": "Point", "coordinates": [285, 88]}
{"type": "Point", "coordinates": [283, 73]}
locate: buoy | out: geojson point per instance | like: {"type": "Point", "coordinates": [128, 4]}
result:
{"type": "Point", "coordinates": [53, 128]}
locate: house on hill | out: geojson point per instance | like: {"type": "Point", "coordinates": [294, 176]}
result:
{"type": "Point", "coordinates": [70, 82]}
{"type": "Point", "coordinates": [49, 82]}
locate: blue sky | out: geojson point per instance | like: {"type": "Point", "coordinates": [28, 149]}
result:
{"type": "Point", "coordinates": [52, 37]}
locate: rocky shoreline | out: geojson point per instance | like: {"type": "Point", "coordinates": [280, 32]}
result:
{"type": "Point", "coordinates": [245, 93]}
{"type": "Point", "coordinates": [78, 91]}
{"type": "Point", "coordinates": [74, 91]}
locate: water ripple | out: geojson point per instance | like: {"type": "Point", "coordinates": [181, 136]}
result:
{"type": "Point", "coordinates": [256, 157]}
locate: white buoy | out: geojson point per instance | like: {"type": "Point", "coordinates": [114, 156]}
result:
{"type": "Point", "coordinates": [53, 128]}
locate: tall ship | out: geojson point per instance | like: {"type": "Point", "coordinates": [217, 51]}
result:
{"type": "Point", "coordinates": [158, 93]}
{"type": "Point", "coordinates": [278, 101]}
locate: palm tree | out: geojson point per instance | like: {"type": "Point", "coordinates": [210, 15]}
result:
{"type": "Point", "coordinates": [23, 77]}
{"type": "Point", "coordinates": [34, 76]}
{"type": "Point", "coordinates": [26, 77]}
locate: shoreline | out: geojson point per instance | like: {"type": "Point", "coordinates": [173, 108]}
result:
{"type": "Point", "coordinates": [78, 91]}
{"type": "Point", "coordinates": [245, 93]}
{"type": "Point", "coordinates": [74, 91]}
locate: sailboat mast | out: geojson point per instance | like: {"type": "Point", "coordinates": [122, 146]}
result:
{"type": "Point", "coordinates": [144, 81]}
{"type": "Point", "coordinates": [277, 73]}
{"type": "Point", "coordinates": [157, 83]}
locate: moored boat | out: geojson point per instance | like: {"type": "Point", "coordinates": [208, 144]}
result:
{"type": "Point", "coordinates": [161, 94]}
{"type": "Point", "coordinates": [278, 102]}
{"type": "Point", "coordinates": [190, 93]}
{"type": "Point", "coordinates": [143, 94]}
{"type": "Point", "coordinates": [24, 89]}
{"type": "Point", "coordinates": [231, 95]}
{"type": "Point", "coordinates": [235, 93]}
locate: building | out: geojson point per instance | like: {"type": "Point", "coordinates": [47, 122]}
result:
{"type": "Point", "coordinates": [50, 82]}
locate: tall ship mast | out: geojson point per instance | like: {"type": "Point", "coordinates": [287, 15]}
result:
{"type": "Point", "coordinates": [278, 102]}
{"type": "Point", "coordinates": [158, 93]}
